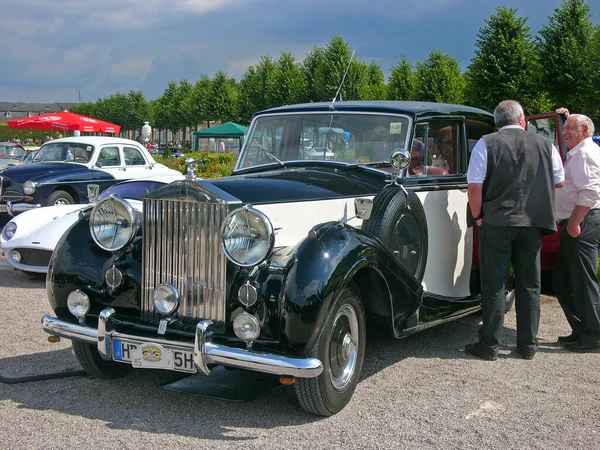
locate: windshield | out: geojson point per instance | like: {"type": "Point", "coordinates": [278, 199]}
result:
{"type": "Point", "coordinates": [9, 151]}
{"type": "Point", "coordinates": [135, 190]}
{"type": "Point", "coordinates": [65, 151]}
{"type": "Point", "coordinates": [345, 137]}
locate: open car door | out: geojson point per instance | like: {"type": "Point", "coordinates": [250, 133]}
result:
{"type": "Point", "coordinates": [549, 125]}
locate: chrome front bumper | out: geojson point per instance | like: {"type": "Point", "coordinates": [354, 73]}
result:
{"type": "Point", "coordinates": [16, 208]}
{"type": "Point", "coordinates": [205, 352]}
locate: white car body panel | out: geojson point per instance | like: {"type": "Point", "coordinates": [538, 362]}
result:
{"type": "Point", "coordinates": [447, 272]}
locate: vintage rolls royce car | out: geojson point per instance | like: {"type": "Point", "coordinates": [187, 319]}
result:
{"type": "Point", "coordinates": [62, 168]}
{"type": "Point", "coordinates": [28, 239]}
{"type": "Point", "coordinates": [281, 267]}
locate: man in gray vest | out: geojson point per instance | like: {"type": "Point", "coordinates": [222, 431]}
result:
{"type": "Point", "coordinates": [511, 179]}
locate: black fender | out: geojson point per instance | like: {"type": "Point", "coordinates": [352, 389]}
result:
{"type": "Point", "coordinates": [328, 260]}
{"type": "Point", "coordinates": [78, 263]}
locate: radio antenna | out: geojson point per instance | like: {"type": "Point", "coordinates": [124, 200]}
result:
{"type": "Point", "coordinates": [342, 83]}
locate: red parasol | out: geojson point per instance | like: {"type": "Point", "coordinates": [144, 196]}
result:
{"type": "Point", "coordinates": [64, 121]}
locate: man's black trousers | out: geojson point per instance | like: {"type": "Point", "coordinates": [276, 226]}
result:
{"type": "Point", "coordinates": [499, 246]}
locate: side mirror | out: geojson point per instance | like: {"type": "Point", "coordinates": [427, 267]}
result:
{"type": "Point", "coordinates": [363, 208]}
{"type": "Point", "coordinates": [92, 192]}
{"type": "Point", "coordinates": [400, 159]}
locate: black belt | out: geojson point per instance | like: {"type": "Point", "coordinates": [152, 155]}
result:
{"type": "Point", "coordinates": [563, 223]}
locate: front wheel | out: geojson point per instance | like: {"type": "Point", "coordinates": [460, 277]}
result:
{"type": "Point", "coordinates": [341, 349]}
{"type": "Point", "coordinates": [90, 360]}
{"type": "Point", "coordinates": [60, 198]}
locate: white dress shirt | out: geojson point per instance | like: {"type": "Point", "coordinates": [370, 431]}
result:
{"type": "Point", "coordinates": [478, 163]}
{"type": "Point", "coordinates": [582, 179]}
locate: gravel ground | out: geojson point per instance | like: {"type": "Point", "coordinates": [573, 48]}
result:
{"type": "Point", "coordinates": [420, 392]}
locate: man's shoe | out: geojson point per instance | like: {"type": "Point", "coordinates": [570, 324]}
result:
{"type": "Point", "coordinates": [525, 353]}
{"type": "Point", "coordinates": [570, 338]}
{"type": "Point", "coordinates": [481, 352]}
{"type": "Point", "coordinates": [582, 347]}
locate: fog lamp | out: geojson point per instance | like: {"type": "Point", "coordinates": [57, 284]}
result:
{"type": "Point", "coordinates": [166, 298]}
{"type": "Point", "coordinates": [78, 303]}
{"type": "Point", "coordinates": [246, 327]}
{"type": "Point", "coordinates": [15, 255]}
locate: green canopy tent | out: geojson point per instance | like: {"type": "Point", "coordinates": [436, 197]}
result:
{"type": "Point", "coordinates": [227, 130]}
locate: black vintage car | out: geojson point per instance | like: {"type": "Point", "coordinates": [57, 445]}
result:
{"type": "Point", "coordinates": [62, 169]}
{"type": "Point", "coordinates": [337, 216]}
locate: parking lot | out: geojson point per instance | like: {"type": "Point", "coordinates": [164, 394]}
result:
{"type": "Point", "coordinates": [420, 392]}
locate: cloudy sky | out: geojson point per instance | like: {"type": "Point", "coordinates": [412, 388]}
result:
{"type": "Point", "coordinates": [58, 50]}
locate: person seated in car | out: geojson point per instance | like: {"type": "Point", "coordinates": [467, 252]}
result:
{"type": "Point", "coordinates": [417, 152]}
{"type": "Point", "coordinates": [442, 156]}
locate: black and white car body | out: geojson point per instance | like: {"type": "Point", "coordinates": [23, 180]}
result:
{"type": "Point", "coordinates": [62, 168]}
{"type": "Point", "coordinates": [280, 267]}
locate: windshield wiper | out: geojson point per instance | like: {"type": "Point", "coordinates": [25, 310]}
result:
{"type": "Point", "coordinates": [269, 154]}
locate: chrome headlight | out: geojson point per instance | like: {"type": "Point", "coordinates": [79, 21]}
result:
{"type": "Point", "coordinates": [113, 223]}
{"type": "Point", "coordinates": [29, 187]}
{"type": "Point", "coordinates": [248, 237]}
{"type": "Point", "coordinates": [9, 230]}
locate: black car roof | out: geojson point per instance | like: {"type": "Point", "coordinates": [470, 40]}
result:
{"type": "Point", "coordinates": [415, 109]}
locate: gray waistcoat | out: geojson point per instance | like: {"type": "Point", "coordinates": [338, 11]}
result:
{"type": "Point", "coordinates": [519, 185]}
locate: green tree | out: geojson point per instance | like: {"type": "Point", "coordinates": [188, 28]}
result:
{"type": "Point", "coordinates": [565, 46]}
{"type": "Point", "coordinates": [138, 110]}
{"type": "Point", "coordinates": [439, 79]}
{"type": "Point", "coordinates": [324, 70]}
{"type": "Point", "coordinates": [222, 98]}
{"type": "Point", "coordinates": [287, 84]}
{"type": "Point", "coordinates": [164, 108]}
{"type": "Point", "coordinates": [401, 84]}
{"type": "Point", "coordinates": [256, 88]}
{"type": "Point", "coordinates": [314, 74]}
{"type": "Point", "coordinates": [505, 65]}
{"type": "Point", "coordinates": [594, 93]}
{"type": "Point", "coordinates": [377, 87]}
{"type": "Point", "coordinates": [196, 104]}
{"type": "Point", "coordinates": [184, 117]}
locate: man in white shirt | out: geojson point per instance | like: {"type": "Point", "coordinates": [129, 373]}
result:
{"type": "Point", "coordinates": [578, 213]}
{"type": "Point", "coordinates": [511, 180]}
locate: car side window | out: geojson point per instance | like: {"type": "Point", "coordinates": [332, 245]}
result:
{"type": "Point", "coordinates": [476, 129]}
{"type": "Point", "coordinates": [109, 156]}
{"type": "Point", "coordinates": [435, 150]}
{"type": "Point", "coordinates": [133, 157]}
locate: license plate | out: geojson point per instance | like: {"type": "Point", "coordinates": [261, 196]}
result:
{"type": "Point", "coordinates": [3, 208]}
{"type": "Point", "coordinates": [151, 355]}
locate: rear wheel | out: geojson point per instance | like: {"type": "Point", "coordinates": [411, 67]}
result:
{"type": "Point", "coordinates": [90, 360]}
{"type": "Point", "coordinates": [60, 198]}
{"type": "Point", "coordinates": [341, 349]}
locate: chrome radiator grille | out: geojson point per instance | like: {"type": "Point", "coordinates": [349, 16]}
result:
{"type": "Point", "coordinates": [182, 246]}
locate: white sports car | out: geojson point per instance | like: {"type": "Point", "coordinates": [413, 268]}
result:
{"type": "Point", "coordinates": [28, 240]}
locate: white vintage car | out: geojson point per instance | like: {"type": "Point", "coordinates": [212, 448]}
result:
{"type": "Point", "coordinates": [28, 240]}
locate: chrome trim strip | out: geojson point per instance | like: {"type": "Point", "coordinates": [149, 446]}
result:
{"type": "Point", "coordinates": [206, 353]}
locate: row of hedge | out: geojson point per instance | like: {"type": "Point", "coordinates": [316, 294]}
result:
{"type": "Point", "coordinates": [10, 134]}
{"type": "Point", "coordinates": [211, 165]}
